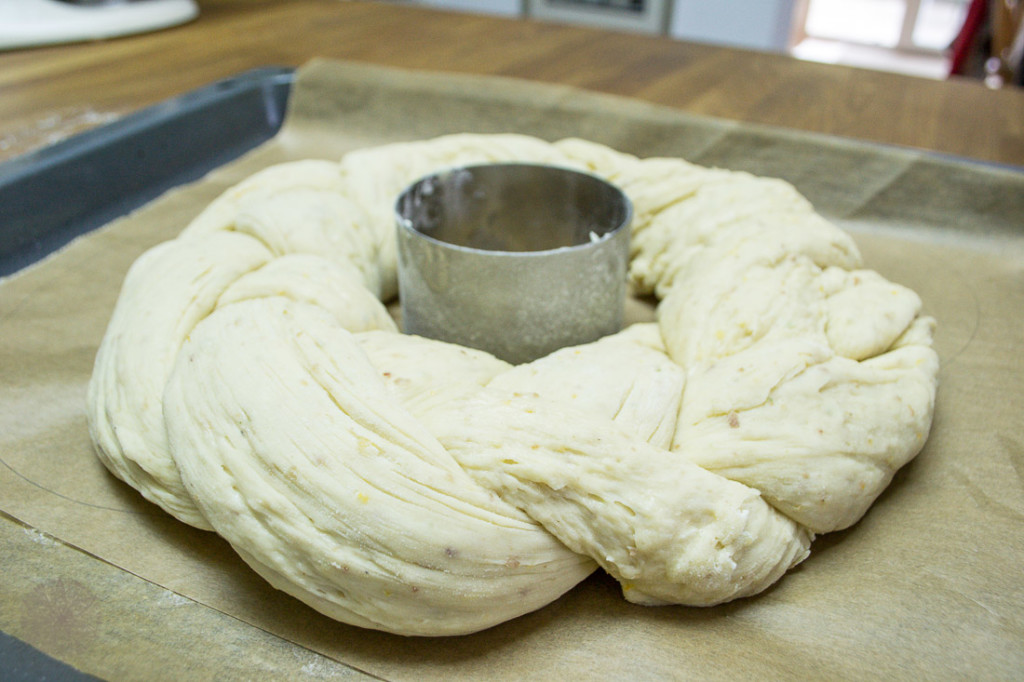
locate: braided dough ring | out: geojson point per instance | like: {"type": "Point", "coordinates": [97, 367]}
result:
{"type": "Point", "coordinates": [252, 382]}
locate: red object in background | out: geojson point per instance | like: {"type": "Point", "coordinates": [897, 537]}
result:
{"type": "Point", "coordinates": [965, 40]}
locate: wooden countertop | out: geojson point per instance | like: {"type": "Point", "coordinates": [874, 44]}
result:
{"type": "Point", "coordinates": [51, 92]}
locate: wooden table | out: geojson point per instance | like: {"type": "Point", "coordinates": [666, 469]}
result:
{"type": "Point", "coordinates": [51, 92]}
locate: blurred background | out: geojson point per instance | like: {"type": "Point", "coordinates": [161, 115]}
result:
{"type": "Point", "coordinates": [982, 39]}
{"type": "Point", "coordinates": [928, 38]}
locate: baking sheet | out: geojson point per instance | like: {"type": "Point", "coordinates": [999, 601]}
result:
{"type": "Point", "coordinates": [54, 194]}
{"type": "Point", "coordinates": [928, 584]}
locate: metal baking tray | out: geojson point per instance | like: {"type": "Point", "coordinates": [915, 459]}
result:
{"type": "Point", "coordinates": [52, 195]}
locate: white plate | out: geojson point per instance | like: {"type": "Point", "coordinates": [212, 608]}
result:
{"type": "Point", "coordinates": [28, 23]}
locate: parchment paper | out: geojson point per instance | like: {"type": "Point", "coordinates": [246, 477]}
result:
{"type": "Point", "coordinates": [928, 585]}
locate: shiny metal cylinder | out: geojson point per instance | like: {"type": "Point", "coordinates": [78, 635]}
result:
{"type": "Point", "coordinates": [514, 259]}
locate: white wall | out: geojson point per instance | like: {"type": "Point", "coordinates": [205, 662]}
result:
{"type": "Point", "coordinates": [754, 24]}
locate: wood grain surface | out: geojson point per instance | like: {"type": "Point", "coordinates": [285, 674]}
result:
{"type": "Point", "coordinates": [50, 92]}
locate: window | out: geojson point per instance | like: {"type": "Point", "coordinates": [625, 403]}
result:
{"type": "Point", "coordinates": [900, 35]}
{"type": "Point", "coordinates": [926, 25]}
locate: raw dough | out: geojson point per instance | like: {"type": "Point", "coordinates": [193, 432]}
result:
{"type": "Point", "coordinates": [251, 382]}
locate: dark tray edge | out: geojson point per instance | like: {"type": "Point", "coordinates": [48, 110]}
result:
{"type": "Point", "coordinates": [52, 195]}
